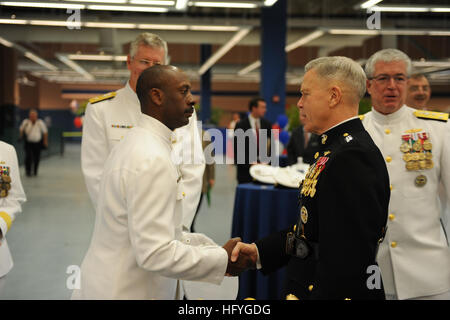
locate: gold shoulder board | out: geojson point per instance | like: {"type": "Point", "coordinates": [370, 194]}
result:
{"type": "Point", "coordinates": [106, 96]}
{"type": "Point", "coordinates": [440, 116]}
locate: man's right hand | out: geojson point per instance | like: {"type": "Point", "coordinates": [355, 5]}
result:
{"type": "Point", "coordinates": [241, 262]}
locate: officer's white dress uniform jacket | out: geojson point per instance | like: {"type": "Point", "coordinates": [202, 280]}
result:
{"type": "Point", "coordinates": [414, 257]}
{"type": "Point", "coordinates": [10, 205]}
{"type": "Point", "coordinates": [138, 248]}
{"type": "Point", "coordinates": [107, 122]}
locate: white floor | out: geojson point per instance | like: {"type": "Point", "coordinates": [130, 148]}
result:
{"type": "Point", "coordinates": [54, 229]}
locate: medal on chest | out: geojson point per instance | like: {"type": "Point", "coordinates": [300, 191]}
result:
{"type": "Point", "coordinates": [312, 176]}
{"type": "Point", "coordinates": [5, 181]}
{"type": "Point", "coordinates": [417, 150]}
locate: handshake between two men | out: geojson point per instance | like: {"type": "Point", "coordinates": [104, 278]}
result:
{"type": "Point", "coordinates": [241, 256]}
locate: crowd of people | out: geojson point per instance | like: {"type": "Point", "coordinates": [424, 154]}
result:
{"type": "Point", "coordinates": [374, 196]}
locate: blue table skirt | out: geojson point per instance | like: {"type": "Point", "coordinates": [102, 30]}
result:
{"type": "Point", "coordinates": [260, 210]}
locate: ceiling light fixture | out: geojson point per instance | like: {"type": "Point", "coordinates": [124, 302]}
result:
{"type": "Point", "coordinates": [96, 57]}
{"type": "Point", "coordinates": [300, 42]}
{"type": "Point", "coordinates": [224, 49]}
{"type": "Point", "coordinates": [153, 3]}
{"type": "Point", "coordinates": [43, 5]}
{"type": "Point", "coordinates": [269, 3]}
{"type": "Point", "coordinates": [40, 61]}
{"type": "Point", "coordinates": [126, 8]}
{"type": "Point", "coordinates": [368, 4]}
{"type": "Point", "coordinates": [250, 68]}
{"type": "Point", "coordinates": [75, 66]}
{"type": "Point", "coordinates": [181, 4]}
{"type": "Point", "coordinates": [304, 40]}
{"type": "Point", "coordinates": [6, 43]}
{"type": "Point", "coordinates": [224, 4]}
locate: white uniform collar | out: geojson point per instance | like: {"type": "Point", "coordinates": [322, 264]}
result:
{"type": "Point", "coordinates": [396, 116]}
{"type": "Point", "coordinates": [131, 94]}
{"type": "Point", "coordinates": [156, 127]}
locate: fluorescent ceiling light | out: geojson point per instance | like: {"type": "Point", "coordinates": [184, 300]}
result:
{"type": "Point", "coordinates": [223, 50]}
{"type": "Point", "coordinates": [440, 9]}
{"type": "Point", "coordinates": [109, 25]}
{"type": "Point", "coordinates": [399, 9]}
{"type": "Point", "coordinates": [439, 33]}
{"type": "Point", "coordinates": [126, 8]}
{"type": "Point", "coordinates": [250, 67]}
{"type": "Point", "coordinates": [304, 40]}
{"type": "Point", "coordinates": [181, 4]}
{"type": "Point", "coordinates": [369, 4]}
{"type": "Point", "coordinates": [40, 61]}
{"type": "Point", "coordinates": [6, 43]}
{"type": "Point", "coordinates": [13, 21]}
{"type": "Point", "coordinates": [43, 5]}
{"type": "Point", "coordinates": [214, 28]}
{"type": "Point", "coordinates": [75, 66]}
{"type": "Point", "coordinates": [163, 26]}
{"type": "Point", "coordinates": [354, 31]}
{"type": "Point", "coordinates": [101, 1]}
{"type": "Point", "coordinates": [54, 23]}
{"type": "Point", "coordinates": [309, 37]}
{"type": "Point", "coordinates": [269, 3]}
{"type": "Point", "coordinates": [97, 57]}
{"type": "Point", "coordinates": [153, 3]}
{"type": "Point", "coordinates": [224, 4]}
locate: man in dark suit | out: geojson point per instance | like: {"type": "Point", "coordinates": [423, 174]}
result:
{"type": "Point", "coordinates": [251, 140]}
{"type": "Point", "coordinates": [343, 201]}
{"type": "Point", "coordinates": [302, 144]}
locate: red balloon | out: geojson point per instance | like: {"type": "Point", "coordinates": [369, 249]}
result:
{"type": "Point", "coordinates": [77, 122]}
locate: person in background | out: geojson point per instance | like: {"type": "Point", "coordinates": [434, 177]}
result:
{"type": "Point", "coordinates": [12, 197]}
{"type": "Point", "coordinates": [302, 144]}
{"type": "Point", "coordinates": [108, 119]}
{"type": "Point", "coordinates": [34, 133]}
{"type": "Point", "coordinates": [208, 176]}
{"type": "Point", "coordinates": [256, 122]}
{"type": "Point", "coordinates": [415, 258]}
{"type": "Point", "coordinates": [418, 92]}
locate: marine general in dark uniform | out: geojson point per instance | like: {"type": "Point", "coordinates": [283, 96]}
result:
{"type": "Point", "coordinates": [343, 201]}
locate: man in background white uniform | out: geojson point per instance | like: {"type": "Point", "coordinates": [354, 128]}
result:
{"type": "Point", "coordinates": [139, 249]}
{"type": "Point", "coordinates": [108, 119]}
{"type": "Point", "coordinates": [414, 257]}
{"type": "Point", "coordinates": [11, 197]}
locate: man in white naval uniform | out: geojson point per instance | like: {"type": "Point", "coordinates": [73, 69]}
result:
{"type": "Point", "coordinates": [11, 198]}
{"type": "Point", "coordinates": [414, 257]}
{"type": "Point", "coordinates": [108, 118]}
{"type": "Point", "coordinates": [138, 249]}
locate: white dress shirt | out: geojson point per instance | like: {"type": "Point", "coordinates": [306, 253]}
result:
{"type": "Point", "coordinates": [138, 249]}
{"type": "Point", "coordinates": [108, 121]}
{"type": "Point", "coordinates": [414, 258]}
{"type": "Point", "coordinates": [34, 131]}
{"type": "Point", "coordinates": [10, 205]}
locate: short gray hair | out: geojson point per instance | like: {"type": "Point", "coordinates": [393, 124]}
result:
{"type": "Point", "coordinates": [387, 55]}
{"type": "Point", "coordinates": [148, 39]}
{"type": "Point", "coordinates": [342, 69]}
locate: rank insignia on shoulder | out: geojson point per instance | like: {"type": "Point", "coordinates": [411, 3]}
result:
{"type": "Point", "coordinates": [106, 96]}
{"type": "Point", "coordinates": [361, 117]}
{"type": "Point", "coordinates": [431, 115]}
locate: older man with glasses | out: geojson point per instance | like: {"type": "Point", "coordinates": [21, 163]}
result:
{"type": "Point", "coordinates": [415, 257]}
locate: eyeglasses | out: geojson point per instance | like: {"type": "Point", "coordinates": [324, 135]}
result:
{"type": "Point", "coordinates": [385, 78]}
